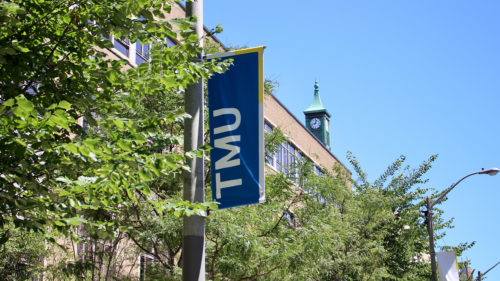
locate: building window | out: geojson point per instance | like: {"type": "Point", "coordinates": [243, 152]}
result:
{"type": "Point", "coordinates": [278, 159]}
{"type": "Point", "coordinates": [269, 154]}
{"type": "Point", "coordinates": [317, 171]}
{"type": "Point", "coordinates": [122, 45]}
{"type": "Point", "coordinates": [141, 52]}
{"type": "Point", "coordinates": [284, 159]}
{"type": "Point", "coordinates": [170, 42]}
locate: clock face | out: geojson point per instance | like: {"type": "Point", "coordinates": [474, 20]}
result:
{"type": "Point", "coordinates": [315, 123]}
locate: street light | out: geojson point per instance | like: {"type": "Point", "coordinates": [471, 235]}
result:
{"type": "Point", "coordinates": [429, 217]}
{"type": "Point", "coordinates": [480, 276]}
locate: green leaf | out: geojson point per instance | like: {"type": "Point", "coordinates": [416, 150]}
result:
{"type": "Point", "coordinates": [189, 212]}
{"type": "Point", "coordinates": [22, 49]}
{"type": "Point", "coordinates": [64, 179]}
{"type": "Point", "coordinates": [205, 148]}
{"type": "Point", "coordinates": [24, 107]}
{"type": "Point", "coordinates": [21, 142]}
{"type": "Point", "coordinates": [59, 118]}
{"type": "Point", "coordinates": [125, 145]}
{"type": "Point", "coordinates": [92, 143]}
{"type": "Point", "coordinates": [6, 50]}
{"type": "Point", "coordinates": [75, 221]}
{"type": "Point", "coordinates": [177, 213]}
{"type": "Point", "coordinates": [67, 19]}
{"type": "Point", "coordinates": [145, 175]}
{"type": "Point", "coordinates": [139, 139]}
{"type": "Point", "coordinates": [71, 147]}
{"type": "Point", "coordinates": [119, 123]}
{"type": "Point", "coordinates": [64, 105]}
{"type": "Point", "coordinates": [9, 102]}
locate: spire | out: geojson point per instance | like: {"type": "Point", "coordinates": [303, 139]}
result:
{"type": "Point", "coordinates": [317, 105]}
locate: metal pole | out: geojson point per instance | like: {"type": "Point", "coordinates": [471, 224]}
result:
{"type": "Point", "coordinates": [193, 230]}
{"type": "Point", "coordinates": [430, 230]}
{"type": "Point", "coordinates": [480, 276]}
{"type": "Point", "coordinates": [444, 193]}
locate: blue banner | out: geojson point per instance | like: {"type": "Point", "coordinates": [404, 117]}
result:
{"type": "Point", "coordinates": [236, 119]}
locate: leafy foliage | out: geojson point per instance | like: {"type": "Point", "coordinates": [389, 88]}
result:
{"type": "Point", "coordinates": [82, 135]}
{"type": "Point", "coordinates": [315, 227]}
{"type": "Point", "coordinates": [21, 254]}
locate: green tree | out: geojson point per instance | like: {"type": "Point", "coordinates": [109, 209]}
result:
{"type": "Point", "coordinates": [322, 228]}
{"type": "Point", "coordinates": [21, 254]}
{"type": "Point", "coordinates": [55, 76]}
{"type": "Point", "coordinates": [404, 237]}
{"type": "Point", "coordinates": [312, 227]}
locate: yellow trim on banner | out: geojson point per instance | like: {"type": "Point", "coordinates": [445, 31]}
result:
{"type": "Point", "coordinates": [261, 76]}
{"type": "Point", "coordinates": [260, 51]}
{"type": "Point", "coordinates": [456, 260]}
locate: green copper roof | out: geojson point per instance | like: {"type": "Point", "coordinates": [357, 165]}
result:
{"type": "Point", "coordinates": [317, 105]}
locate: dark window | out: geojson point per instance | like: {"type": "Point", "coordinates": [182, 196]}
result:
{"type": "Point", "coordinates": [269, 154]}
{"type": "Point", "coordinates": [122, 45]}
{"type": "Point", "coordinates": [288, 158]}
{"type": "Point", "coordinates": [279, 158]}
{"type": "Point", "coordinates": [170, 42]}
{"type": "Point", "coordinates": [317, 171]}
{"type": "Point", "coordinates": [285, 157]}
{"type": "Point", "coordinates": [141, 52]}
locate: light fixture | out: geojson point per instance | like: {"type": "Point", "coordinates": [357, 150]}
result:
{"type": "Point", "coordinates": [490, 171]}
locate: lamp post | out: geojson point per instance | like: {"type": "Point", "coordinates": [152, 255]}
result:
{"type": "Point", "coordinates": [480, 276]}
{"type": "Point", "coordinates": [429, 215]}
{"type": "Point", "coordinates": [193, 228]}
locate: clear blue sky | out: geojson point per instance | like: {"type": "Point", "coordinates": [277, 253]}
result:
{"type": "Point", "coordinates": [399, 77]}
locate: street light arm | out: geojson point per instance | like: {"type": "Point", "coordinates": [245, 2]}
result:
{"type": "Point", "coordinates": [451, 187]}
{"type": "Point", "coordinates": [491, 268]}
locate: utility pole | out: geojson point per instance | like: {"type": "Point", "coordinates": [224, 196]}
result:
{"type": "Point", "coordinates": [193, 230]}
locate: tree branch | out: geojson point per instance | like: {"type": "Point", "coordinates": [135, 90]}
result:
{"type": "Point", "coordinates": [262, 273]}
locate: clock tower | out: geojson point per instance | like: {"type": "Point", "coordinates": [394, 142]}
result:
{"type": "Point", "coordinates": [318, 118]}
